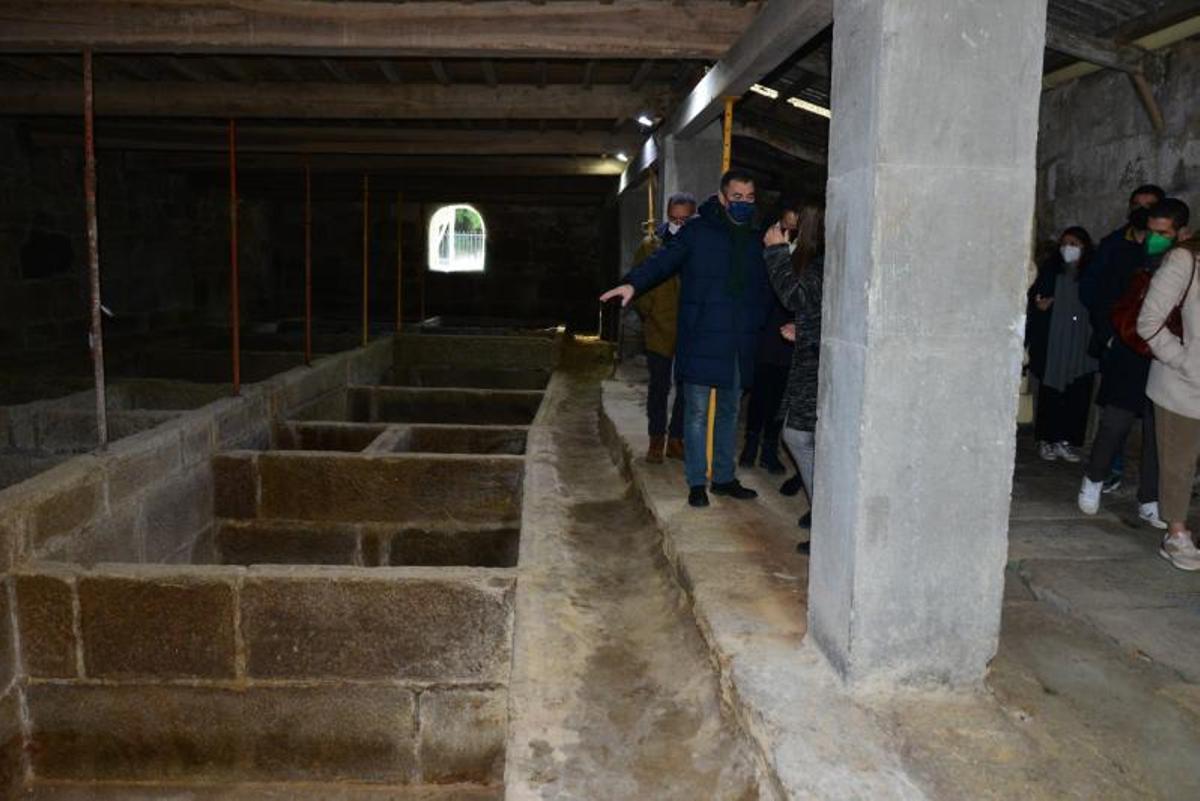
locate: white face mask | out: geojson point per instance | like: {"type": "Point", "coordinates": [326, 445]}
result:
{"type": "Point", "coordinates": [1071, 253]}
{"type": "Point", "coordinates": [674, 227]}
{"type": "Point", "coordinates": [795, 243]}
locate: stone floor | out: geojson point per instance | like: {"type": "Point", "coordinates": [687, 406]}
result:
{"type": "Point", "coordinates": [66, 791]}
{"type": "Point", "coordinates": [1085, 700]}
{"type": "Point", "coordinates": [1104, 570]}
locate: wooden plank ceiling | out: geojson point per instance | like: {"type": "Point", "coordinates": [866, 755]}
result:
{"type": "Point", "coordinates": [503, 86]}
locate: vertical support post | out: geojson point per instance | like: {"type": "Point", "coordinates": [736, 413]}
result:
{"type": "Point", "coordinates": [234, 299]}
{"type": "Point", "coordinates": [727, 134]}
{"type": "Point", "coordinates": [307, 263]}
{"type": "Point", "coordinates": [918, 389]}
{"type": "Point", "coordinates": [650, 220]}
{"type": "Point", "coordinates": [366, 256]}
{"type": "Point", "coordinates": [96, 332]}
{"type": "Point", "coordinates": [399, 262]}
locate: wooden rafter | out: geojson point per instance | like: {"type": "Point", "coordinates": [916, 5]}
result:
{"type": "Point", "coordinates": [330, 100]}
{"type": "Point", "coordinates": [439, 28]}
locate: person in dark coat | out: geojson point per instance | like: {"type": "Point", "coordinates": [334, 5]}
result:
{"type": "Point", "coordinates": [723, 302]}
{"type": "Point", "coordinates": [1058, 334]}
{"type": "Point", "coordinates": [763, 423]}
{"type": "Point", "coordinates": [798, 280]}
{"type": "Point", "coordinates": [1119, 247]}
{"type": "Point", "coordinates": [1123, 375]}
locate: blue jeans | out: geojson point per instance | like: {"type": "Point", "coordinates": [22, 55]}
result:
{"type": "Point", "coordinates": [695, 432]}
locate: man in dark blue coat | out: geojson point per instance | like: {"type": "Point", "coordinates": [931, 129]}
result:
{"type": "Point", "coordinates": [723, 303]}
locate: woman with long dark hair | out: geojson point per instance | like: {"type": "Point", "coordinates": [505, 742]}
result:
{"type": "Point", "coordinates": [798, 279]}
{"type": "Point", "coordinates": [1057, 333]}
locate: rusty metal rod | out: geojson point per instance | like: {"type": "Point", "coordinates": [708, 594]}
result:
{"type": "Point", "coordinates": [234, 300]}
{"type": "Point", "coordinates": [96, 333]}
{"type": "Point", "coordinates": [307, 263]}
{"type": "Point", "coordinates": [366, 255]}
{"type": "Point", "coordinates": [399, 262]}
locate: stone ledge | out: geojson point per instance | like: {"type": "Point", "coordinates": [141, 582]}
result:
{"type": "Point", "coordinates": [748, 589]}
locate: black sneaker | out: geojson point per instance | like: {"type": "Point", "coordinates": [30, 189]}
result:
{"type": "Point", "coordinates": [697, 497]}
{"type": "Point", "coordinates": [792, 486]}
{"type": "Point", "coordinates": [734, 489]}
{"type": "Point", "coordinates": [802, 547]}
{"type": "Point", "coordinates": [806, 521]}
{"type": "Point", "coordinates": [1111, 484]}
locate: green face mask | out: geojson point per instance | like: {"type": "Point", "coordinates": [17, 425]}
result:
{"type": "Point", "coordinates": [1157, 244]}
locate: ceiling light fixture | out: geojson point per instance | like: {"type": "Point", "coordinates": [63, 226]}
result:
{"type": "Point", "coordinates": [645, 121]}
{"type": "Point", "coordinates": [622, 157]}
{"type": "Point", "coordinates": [811, 108]}
{"type": "Point", "coordinates": [765, 91]}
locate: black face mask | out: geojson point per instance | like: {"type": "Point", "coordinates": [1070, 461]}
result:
{"type": "Point", "coordinates": [1139, 218]}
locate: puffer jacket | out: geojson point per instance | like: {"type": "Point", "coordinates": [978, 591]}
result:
{"type": "Point", "coordinates": [718, 328]}
{"type": "Point", "coordinates": [659, 308]}
{"type": "Point", "coordinates": [802, 295]}
{"type": "Point", "coordinates": [1174, 382]}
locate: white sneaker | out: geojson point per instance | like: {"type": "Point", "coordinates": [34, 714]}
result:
{"type": "Point", "coordinates": [1180, 551]}
{"type": "Point", "coordinates": [1089, 496]}
{"type": "Point", "coordinates": [1148, 512]}
{"type": "Point", "coordinates": [1047, 451]}
{"type": "Point", "coordinates": [1066, 452]}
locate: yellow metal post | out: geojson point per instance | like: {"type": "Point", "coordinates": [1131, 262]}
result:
{"type": "Point", "coordinates": [650, 203]}
{"type": "Point", "coordinates": [726, 162]}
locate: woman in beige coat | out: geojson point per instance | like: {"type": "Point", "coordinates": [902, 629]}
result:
{"type": "Point", "coordinates": [1174, 384]}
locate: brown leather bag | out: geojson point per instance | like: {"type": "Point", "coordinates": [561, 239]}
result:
{"type": "Point", "coordinates": [1126, 310]}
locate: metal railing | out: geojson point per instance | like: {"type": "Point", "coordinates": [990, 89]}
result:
{"type": "Point", "coordinates": [461, 251]}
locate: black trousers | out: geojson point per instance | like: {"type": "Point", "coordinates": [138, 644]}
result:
{"type": "Point", "coordinates": [762, 412]}
{"type": "Point", "coordinates": [1063, 416]}
{"type": "Point", "coordinates": [1115, 423]}
{"type": "Point", "coordinates": [661, 376]}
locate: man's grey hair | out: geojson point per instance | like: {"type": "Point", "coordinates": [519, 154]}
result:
{"type": "Point", "coordinates": [680, 198]}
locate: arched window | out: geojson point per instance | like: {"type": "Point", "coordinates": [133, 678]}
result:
{"type": "Point", "coordinates": [457, 240]}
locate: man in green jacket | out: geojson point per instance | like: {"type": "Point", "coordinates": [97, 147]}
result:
{"type": "Point", "coordinates": [659, 310]}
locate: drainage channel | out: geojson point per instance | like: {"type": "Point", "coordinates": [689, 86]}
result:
{"type": "Point", "coordinates": [613, 695]}
{"type": "Point", "coordinates": [344, 628]}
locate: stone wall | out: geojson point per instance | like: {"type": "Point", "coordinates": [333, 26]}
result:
{"type": "Point", "coordinates": [544, 262]}
{"type": "Point", "coordinates": [146, 498]}
{"type": "Point", "coordinates": [163, 246]}
{"type": "Point", "coordinates": [1096, 144]}
{"type": "Point", "coordinates": [231, 674]}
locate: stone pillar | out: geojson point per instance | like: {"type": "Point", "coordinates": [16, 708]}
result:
{"type": "Point", "coordinates": [931, 193]}
{"type": "Point", "coordinates": [691, 165]}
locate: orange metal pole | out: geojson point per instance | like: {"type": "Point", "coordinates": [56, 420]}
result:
{"type": "Point", "coordinates": [234, 300]}
{"type": "Point", "coordinates": [366, 255]}
{"type": "Point", "coordinates": [307, 264]}
{"type": "Point", "coordinates": [399, 262]}
{"type": "Point", "coordinates": [96, 335]}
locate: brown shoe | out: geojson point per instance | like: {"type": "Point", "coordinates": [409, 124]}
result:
{"type": "Point", "coordinates": [655, 454]}
{"type": "Point", "coordinates": [675, 448]}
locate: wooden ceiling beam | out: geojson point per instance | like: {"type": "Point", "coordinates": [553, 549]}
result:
{"type": "Point", "coordinates": [439, 28]}
{"type": "Point", "coordinates": [518, 166]}
{"type": "Point", "coordinates": [330, 100]}
{"type": "Point", "coordinates": [338, 140]}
